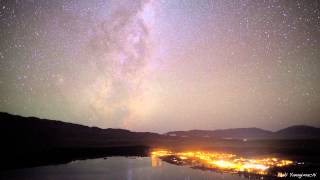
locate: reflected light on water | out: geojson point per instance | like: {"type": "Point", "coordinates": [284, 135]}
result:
{"type": "Point", "coordinates": [155, 161]}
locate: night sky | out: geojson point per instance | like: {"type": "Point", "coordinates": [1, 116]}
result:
{"type": "Point", "coordinates": [162, 65]}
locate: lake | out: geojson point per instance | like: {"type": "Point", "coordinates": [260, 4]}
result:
{"type": "Point", "coordinates": [114, 168]}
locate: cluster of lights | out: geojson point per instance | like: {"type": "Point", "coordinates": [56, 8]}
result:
{"type": "Point", "coordinates": [224, 161]}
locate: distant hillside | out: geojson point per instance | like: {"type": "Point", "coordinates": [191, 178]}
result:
{"type": "Point", "coordinates": [29, 141]}
{"type": "Point", "coordinates": [237, 133]}
{"type": "Point", "coordinates": [293, 132]}
{"type": "Point", "coordinates": [298, 132]}
{"type": "Point", "coordinates": [33, 132]}
{"type": "Point", "coordinates": [41, 133]}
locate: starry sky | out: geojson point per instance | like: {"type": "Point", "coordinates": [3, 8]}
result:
{"type": "Point", "coordinates": [162, 65]}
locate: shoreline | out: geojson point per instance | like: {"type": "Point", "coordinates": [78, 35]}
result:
{"type": "Point", "coordinates": [55, 156]}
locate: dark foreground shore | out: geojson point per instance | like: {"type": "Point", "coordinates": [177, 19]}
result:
{"type": "Point", "coordinates": [23, 159]}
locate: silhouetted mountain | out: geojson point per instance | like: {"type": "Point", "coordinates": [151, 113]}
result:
{"type": "Point", "coordinates": [237, 133]}
{"type": "Point", "coordinates": [298, 132]}
{"type": "Point", "coordinates": [30, 141]}
{"type": "Point", "coordinates": [293, 132]}
{"type": "Point", "coordinates": [242, 133]}
{"type": "Point", "coordinates": [34, 132]}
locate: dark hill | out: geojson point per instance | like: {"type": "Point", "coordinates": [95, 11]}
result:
{"type": "Point", "coordinates": [293, 132]}
{"type": "Point", "coordinates": [35, 132]}
{"type": "Point", "coordinates": [298, 132]}
{"type": "Point", "coordinates": [237, 133]}
{"type": "Point", "coordinates": [32, 141]}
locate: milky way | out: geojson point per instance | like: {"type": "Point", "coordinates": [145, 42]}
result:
{"type": "Point", "coordinates": [162, 65]}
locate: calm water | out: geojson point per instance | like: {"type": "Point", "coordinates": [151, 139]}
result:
{"type": "Point", "coordinates": [114, 168]}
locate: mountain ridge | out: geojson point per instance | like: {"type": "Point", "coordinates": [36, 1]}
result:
{"type": "Point", "coordinates": [291, 132]}
{"type": "Point", "coordinates": [61, 128]}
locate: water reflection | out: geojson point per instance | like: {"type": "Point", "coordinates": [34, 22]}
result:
{"type": "Point", "coordinates": [155, 161]}
{"type": "Point", "coordinates": [115, 168]}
